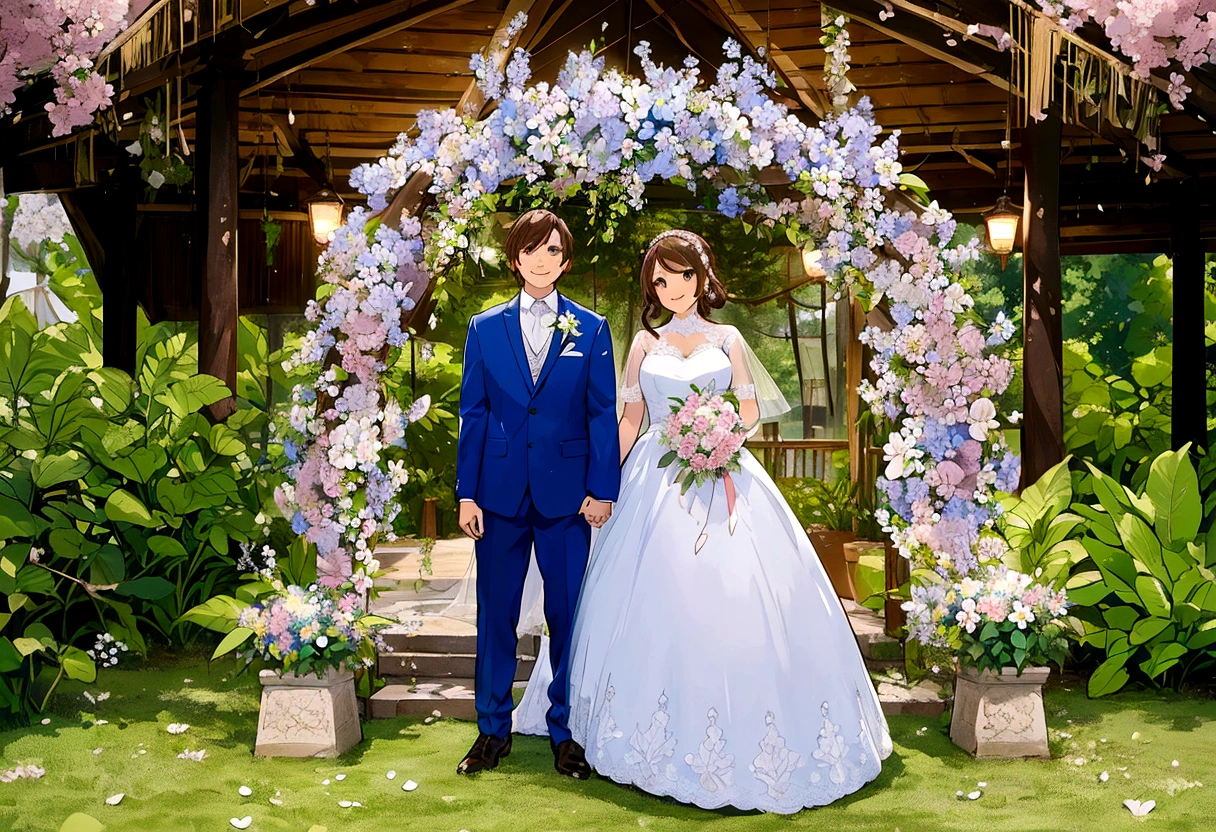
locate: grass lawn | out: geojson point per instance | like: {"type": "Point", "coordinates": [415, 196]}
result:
{"type": "Point", "coordinates": [917, 789]}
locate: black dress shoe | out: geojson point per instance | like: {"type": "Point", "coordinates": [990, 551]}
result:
{"type": "Point", "coordinates": [485, 754]}
{"type": "Point", "coordinates": [569, 759]}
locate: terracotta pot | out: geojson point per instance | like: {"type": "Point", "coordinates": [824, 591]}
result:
{"type": "Point", "coordinates": [853, 551]}
{"type": "Point", "coordinates": [307, 716]}
{"type": "Point", "coordinates": [830, 548]}
{"type": "Point", "coordinates": [1000, 715]}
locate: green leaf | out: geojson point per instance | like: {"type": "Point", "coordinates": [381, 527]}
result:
{"type": "Point", "coordinates": [35, 581]}
{"type": "Point", "coordinates": [1110, 676]}
{"type": "Point", "coordinates": [52, 470]}
{"type": "Point", "coordinates": [147, 462]}
{"type": "Point", "coordinates": [225, 441]}
{"type": "Point", "coordinates": [66, 542]}
{"type": "Point", "coordinates": [1162, 657]}
{"type": "Point", "coordinates": [191, 394]}
{"type": "Point", "coordinates": [219, 614]}
{"type": "Point", "coordinates": [125, 506]}
{"type": "Point", "coordinates": [1142, 544]}
{"type": "Point", "coordinates": [77, 664]}
{"type": "Point", "coordinates": [232, 641]}
{"type": "Point", "coordinates": [1153, 595]}
{"type": "Point", "coordinates": [1121, 618]}
{"type": "Point", "coordinates": [149, 588]}
{"type": "Point", "coordinates": [1154, 368]}
{"type": "Point", "coordinates": [115, 388]}
{"type": "Point", "coordinates": [1146, 629]}
{"type": "Point", "coordinates": [106, 566]}
{"type": "Point", "coordinates": [166, 546]}
{"type": "Point", "coordinates": [10, 657]}
{"type": "Point", "coordinates": [1173, 488]}
{"type": "Point", "coordinates": [667, 458]}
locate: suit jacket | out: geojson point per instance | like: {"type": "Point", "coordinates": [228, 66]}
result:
{"type": "Point", "coordinates": [556, 437]}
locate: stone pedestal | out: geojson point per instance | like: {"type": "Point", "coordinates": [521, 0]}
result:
{"type": "Point", "coordinates": [1000, 715]}
{"type": "Point", "coordinates": [307, 716]}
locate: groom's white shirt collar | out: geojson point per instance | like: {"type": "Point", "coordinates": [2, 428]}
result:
{"type": "Point", "coordinates": [526, 301]}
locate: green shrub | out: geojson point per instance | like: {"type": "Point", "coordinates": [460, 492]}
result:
{"type": "Point", "coordinates": [1146, 594]}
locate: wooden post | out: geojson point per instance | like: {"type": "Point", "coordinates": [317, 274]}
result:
{"type": "Point", "coordinates": [104, 220]}
{"type": "Point", "coordinates": [806, 406]}
{"type": "Point", "coordinates": [1188, 420]}
{"type": "Point", "coordinates": [218, 323]}
{"type": "Point", "coordinates": [1043, 339]}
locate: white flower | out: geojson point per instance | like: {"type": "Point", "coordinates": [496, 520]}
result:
{"type": "Point", "coordinates": [322, 641]}
{"type": "Point", "coordinates": [177, 728]}
{"type": "Point", "coordinates": [900, 452]}
{"type": "Point", "coordinates": [156, 179]}
{"type": "Point", "coordinates": [566, 324]}
{"type": "Point", "coordinates": [982, 417]}
{"type": "Point", "coordinates": [1021, 615]}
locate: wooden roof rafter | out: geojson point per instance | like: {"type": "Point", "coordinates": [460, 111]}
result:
{"type": "Point", "coordinates": [750, 31]}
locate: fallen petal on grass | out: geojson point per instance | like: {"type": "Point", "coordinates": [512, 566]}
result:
{"type": "Point", "coordinates": [115, 799]}
{"type": "Point", "coordinates": [1140, 809]}
{"type": "Point", "coordinates": [177, 728]}
{"type": "Point", "coordinates": [339, 776]}
{"type": "Point", "coordinates": [241, 823]}
{"type": "Point", "coordinates": [975, 795]}
{"type": "Point", "coordinates": [408, 786]}
{"type": "Point", "coordinates": [196, 756]}
{"type": "Point", "coordinates": [391, 775]}
{"type": "Point", "coordinates": [244, 791]}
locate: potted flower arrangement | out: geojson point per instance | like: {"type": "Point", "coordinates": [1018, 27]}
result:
{"type": "Point", "coordinates": [828, 512]}
{"type": "Point", "coordinates": [313, 641]}
{"type": "Point", "coordinates": [1004, 628]}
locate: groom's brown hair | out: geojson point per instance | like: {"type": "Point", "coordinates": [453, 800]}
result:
{"type": "Point", "coordinates": [532, 230]}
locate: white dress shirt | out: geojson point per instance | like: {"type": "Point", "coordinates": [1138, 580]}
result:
{"type": "Point", "coordinates": [536, 334]}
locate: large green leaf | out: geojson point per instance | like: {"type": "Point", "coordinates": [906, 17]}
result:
{"type": "Point", "coordinates": [10, 657]}
{"type": "Point", "coordinates": [1162, 657]}
{"type": "Point", "coordinates": [34, 580]}
{"type": "Point", "coordinates": [15, 519]}
{"type": "Point", "coordinates": [1146, 629]}
{"type": "Point", "coordinates": [1154, 368]}
{"type": "Point", "coordinates": [165, 546]}
{"type": "Point", "coordinates": [1051, 494]}
{"type": "Point", "coordinates": [1173, 487]}
{"type": "Point", "coordinates": [106, 566]}
{"type": "Point", "coordinates": [1087, 588]}
{"type": "Point", "coordinates": [150, 588]}
{"type": "Point", "coordinates": [232, 641]}
{"type": "Point", "coordinates": [191, 394]}
{"type": "Point", "coordinates": [77, 664]}
{"type": "Point", "coordinates": [125, 506]}
{"type": "Point", "coordinates": [1142, 544]}
{"type": "Point", "coordinates": [115, 388]}
{"type": "Point", "coordinates": [1110, 676]}
{"type": "Point", "coordinates": [57, 468]}
{"type": "Point", "coordinates": [1121, 618]}
{"type": "Point", "coordinates": [219, 613]}
{"type": "Point", "coordinates": [1117, 567]}
{"type": "Point", "coordinates": [1153, 596]}
{"type": "Point", "coordinates": [225, 441]}
{"type": "Point", "coordinates": [66, 542]}
{"type": "Point", "coordinates": [147, 462]}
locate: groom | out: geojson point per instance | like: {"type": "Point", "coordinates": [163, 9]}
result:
{"type": "Point", "coordinates": [537, 462]}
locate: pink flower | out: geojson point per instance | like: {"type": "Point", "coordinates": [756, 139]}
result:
{"type": "Point", "coordinates": [688, 446]}
{"type": "Point", "coordinates": [698, 462]}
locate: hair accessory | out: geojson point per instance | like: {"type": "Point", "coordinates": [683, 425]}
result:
{"type": "Point", "coordinates": [694, 241]}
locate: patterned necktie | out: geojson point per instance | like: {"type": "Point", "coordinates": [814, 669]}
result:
{"type": "Point", "coordinates": [536, 339]}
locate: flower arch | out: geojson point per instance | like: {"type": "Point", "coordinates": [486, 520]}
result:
{"type": "Point", "coordinates": [603, 135]}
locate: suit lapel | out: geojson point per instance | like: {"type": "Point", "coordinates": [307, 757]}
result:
{"type": "Point", "coordinates": [515, 337]}
{"type": "Point", "coordinates": [555, 345]}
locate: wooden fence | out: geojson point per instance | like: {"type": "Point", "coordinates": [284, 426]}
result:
{"type": "Point", "coordinates": [797, 457]}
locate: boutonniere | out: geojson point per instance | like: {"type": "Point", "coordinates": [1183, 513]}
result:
{"type": "Point", "coordinates": [567, 325]}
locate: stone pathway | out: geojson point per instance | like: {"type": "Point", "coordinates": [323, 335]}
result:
{"type": "Point", "coordinates": [429, 663]}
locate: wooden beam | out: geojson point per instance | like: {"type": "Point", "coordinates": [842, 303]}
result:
{"type": "Point", "coordinates": [355, 31]}
{"type": "Point", "coordinates": [754, 35]}
{"type": "Point", "coordinates": [1188, 416]}
{"type": "Point", "coordinates": [972, 56]}
{"type": "Point", "coordinates": [1043, 339]}
{"type": "Point", "coordinates": [218, 322]}
{"type": "Point", "coordinates": [293, 146]}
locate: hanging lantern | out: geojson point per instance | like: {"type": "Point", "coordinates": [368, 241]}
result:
{"type": "Point", "coordinates": [324, 214]}
{"type": "Point", "coordinates": [811, 258]}
{"type": "Point", "coordinates": [1002, 225]}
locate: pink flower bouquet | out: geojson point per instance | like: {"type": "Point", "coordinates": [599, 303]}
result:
{"type": "Point", "coordinates": [705, 434]}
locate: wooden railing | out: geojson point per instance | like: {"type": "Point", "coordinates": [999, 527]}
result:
{"type": "Point", "coordinates": [797, 457]}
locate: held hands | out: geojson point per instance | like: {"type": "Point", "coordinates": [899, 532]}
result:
{"type": "Point", "coordinates": [471, 520]}
{"type": "Point", "coordinates": [594, 511]}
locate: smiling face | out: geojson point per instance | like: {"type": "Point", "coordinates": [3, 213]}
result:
{"type": "Point", "coordinates": [542, 266]}
{"type": "Point", "coordinates": [677, 287]}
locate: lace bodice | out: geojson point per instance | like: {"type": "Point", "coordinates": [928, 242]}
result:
{"type": "Point", "coordinates": [658, 370]}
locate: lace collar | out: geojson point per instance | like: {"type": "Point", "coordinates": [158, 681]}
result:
{"type": "Point", "coordinates": [691, 325]}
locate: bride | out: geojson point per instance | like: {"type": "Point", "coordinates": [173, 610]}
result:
{"type": "Point", "coordinates": [711, 661]}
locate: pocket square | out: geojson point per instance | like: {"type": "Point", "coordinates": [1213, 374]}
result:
{"type": "Point", "coordinates": [573, 353]}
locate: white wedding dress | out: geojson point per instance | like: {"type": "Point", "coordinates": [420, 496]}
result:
{"type": "Point", "coordinates": [727, 676]}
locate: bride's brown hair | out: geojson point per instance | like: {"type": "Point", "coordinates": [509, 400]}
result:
{"type": "Point", "coordinates": [680, 253]}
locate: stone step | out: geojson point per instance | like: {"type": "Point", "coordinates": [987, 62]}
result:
{"type": "Point", "coordinates": [423, 700]}
{"type": "Point", "coordinates": [455, 701]}
{"type": "Point", "coordinates": [450, 643]}
{"type": "Point", "coordinates": [442, 666]}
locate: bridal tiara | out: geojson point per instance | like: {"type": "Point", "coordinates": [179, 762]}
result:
{"type": "Point", "coordinates": [694, 241]}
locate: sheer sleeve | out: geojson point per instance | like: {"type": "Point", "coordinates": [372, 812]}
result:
{"type": "Point", "coordinates": [631, 385]}
{"type": "Point", "coordinates": [742, 383]}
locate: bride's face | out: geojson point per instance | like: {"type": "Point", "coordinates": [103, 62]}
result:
{"type": "Point", "coordinates": [677, 290]}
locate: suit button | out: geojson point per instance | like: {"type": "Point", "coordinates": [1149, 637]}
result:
{"type": "Point", "coordinates": [529, 444]}
{"type": "Point", "coordinates": [533, 411]}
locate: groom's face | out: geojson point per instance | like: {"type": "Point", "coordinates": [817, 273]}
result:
{"type": "Point", "coordinates": [542, 266]}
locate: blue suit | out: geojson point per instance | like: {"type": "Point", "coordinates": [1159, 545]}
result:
{"type": "Point", "coordinates": [528, 455]}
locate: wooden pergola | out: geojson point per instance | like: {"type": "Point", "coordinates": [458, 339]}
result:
{"type": "Point", "coordinates": [279, 98]}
